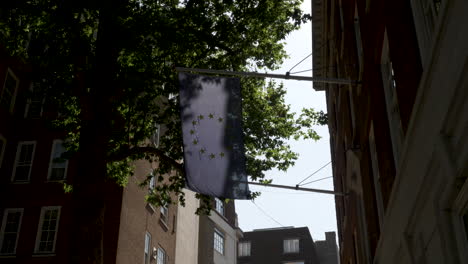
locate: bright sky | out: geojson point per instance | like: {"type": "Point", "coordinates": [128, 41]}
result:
{"type": "Point", "coordinates": [290, 207]}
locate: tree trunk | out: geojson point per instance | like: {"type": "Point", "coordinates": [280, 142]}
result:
{"type": "Point", "coordinates": [96, 114]}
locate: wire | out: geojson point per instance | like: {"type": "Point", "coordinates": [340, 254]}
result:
{"type": "Point", "coordinates": [300, 62]}
{"type": "Point", "coordinates": [267, 214]}
{"type": "Point", "coordinates": [314, 173]}
{"type": "Point", "coordinates": [317, 180]}
{"type": "Point", "coordinates": [301, 71]}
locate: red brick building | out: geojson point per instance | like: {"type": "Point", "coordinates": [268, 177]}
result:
{"type": "Point", "coordinates": [399, 139]}
{"type": "Point", "coordinates": [37, 215]}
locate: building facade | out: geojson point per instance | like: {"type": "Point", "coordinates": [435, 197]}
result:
{"type": "Point", "coordinates": [327, 250]}
{"type": "Point", "coordinates": [218, 234]}
{"type": "Point", "coordinates": [399, 138]}
{"type": "Point", "coordinates": [37, 215]}
{"type": "Point", "coordinates": [284, 245]}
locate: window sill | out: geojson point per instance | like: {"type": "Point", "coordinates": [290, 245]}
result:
{"type": "Point", "coordinates": [7, 256]}
{"type": "Point", "coordinates": [43, 255]}
{"type": "Point", "coordinates": [150, 208]}
{"type": "Point", "coordinates": [20, 182]}
{"type": "Point", "coordinates": [163, 224]}
{"type": "Point", "coordinates": [55, 181]}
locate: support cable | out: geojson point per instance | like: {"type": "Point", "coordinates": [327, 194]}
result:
{"type": "Point", "coordinates": [269, 216]}
{"type": "Point", "coordinates": [313, 173]}
{"type": "Point", "coordinates": [321, 179]}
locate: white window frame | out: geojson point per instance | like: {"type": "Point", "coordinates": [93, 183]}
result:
{"type": "Point", "coordinates": [13, 96]}
{"type": "Point", "coordinates": [30, 101]}
{"type": "Point", "coordinates": [291, 245]}
{"type": "Point", "coordinates": [147, 255]}
{"type": "Point", "coordinates": [2, 230]}
{"type": "Point", "coordinates": [161, 256]}
{"type": "Point", "coordinates": [51, 161]}
{"type": "Point", "coordinates": [244, 248]}
{"type": "Point", "coordinates": [218, 241]}
{"type": "Point", "coordinates": [219, 206]}
{"type": "Point", "coordinates": [2, 150]}
{"type": "Point", "coordinates": [18, 150]}
{"type": "Point", "coordinates": [44, 209]}
{"type": "Point", "coordinates": [156, 136]}
{"type": "Point", "coordinates": [164, 211]}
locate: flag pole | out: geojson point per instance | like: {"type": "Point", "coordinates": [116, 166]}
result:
{"type": "Point", "coordinates": [298, 188]}
{"type": "Point", "coordinates": [286, 76]}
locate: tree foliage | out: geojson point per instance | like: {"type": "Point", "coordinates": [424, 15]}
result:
{"type": "Point", "coordinates": [108, 69]}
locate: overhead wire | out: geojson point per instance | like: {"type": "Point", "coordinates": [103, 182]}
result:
{"type": "Point", "coordinates": [321, 179]}
{"type": "Point", "coordinates": [269, 216]}
{"type": "Point", "coordinates": [299, 184]}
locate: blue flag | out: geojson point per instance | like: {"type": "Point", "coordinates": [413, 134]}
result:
{"type": "Point", "coordinates": [214, 155]}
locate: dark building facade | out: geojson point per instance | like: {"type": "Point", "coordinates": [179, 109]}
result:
{"type": "Point", "coordinates": [285, 245]}
{"type": "Point", "coordinates": [327, 250]}
{"type": "Point", "coordinates": [36, 214]}
{"type": "Point", "coordinates": [399, 141]}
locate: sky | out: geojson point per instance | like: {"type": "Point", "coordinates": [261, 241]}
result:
{"type": "Point", "coordinates": [282, 207]}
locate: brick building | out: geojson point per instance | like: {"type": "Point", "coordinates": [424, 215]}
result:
{"type": "Point", "coordinates": [399, 139]}
{"type": "Point", "coordinates": [37, 215]}
{"type": "Point", "coordinates": [218, 234]}
{"type": "Point", "coordinates": [284, 245]}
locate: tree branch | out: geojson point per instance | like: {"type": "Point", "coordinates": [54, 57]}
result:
{"type": "Point", "coordinates": [148, 150]}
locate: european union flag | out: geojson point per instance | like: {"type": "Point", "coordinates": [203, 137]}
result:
{"type": "Point", "coordinates": [214, 156]}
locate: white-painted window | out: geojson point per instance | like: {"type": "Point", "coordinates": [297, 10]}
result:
{"type": "Point", "coordinates": [164, 213]}
{"type": "Point", "coordinates": [219, 206]}
{"type": "Point", "coordinates": [24, 161]}
{"type": "Point", "coordinates": [156, 135]}
{"type": "Point", "coordinates": [10, 229]}
{"type": "Point", "coordinates": [244, 249]}
{"type": "Point", "coordinates": [35, 103]}
{"type": "Point", "coordinates": [291, 245]}
{"type": "Point", "coordinates": [161, 256]}
{"type": "Point", "coordinates": [218, 241]}
{"type": "Point", "coordinates": [9, 90]}
{"type": "Point", "coordinates": [58, 165]}
{"type": "Point", "coordinates": [2, 148]}
{"type": "Point", "coordinates": [391, 101]}
{"type": "Point", "coordinates": [147, 257]}
{"type": "Point", "coordinates": [152, 183]}
{"type": "Point", "coordinates": [47, 231]}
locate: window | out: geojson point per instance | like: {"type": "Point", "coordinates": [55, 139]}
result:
{"type": "Point", "coordinates": [164, 213]}
{"type": "Point", "coordinates": [147, 248]}
{"type": "Point", "coordinates": [47, 231]}
{"type": "Point", "coordinates": [152, 183]}
{"type": "Point", "coordinates": [23, 162]}
{"type": "Point", "coordinates": [2, 148]}
{"type": "Point", "coordinates": [8, 94]}
{"type": "Point", "coordinates": [58, 165]}
{"type": "Point", "coordinates": [35, 102]}
{"type": "Point", "coordinates": [291, 245]}
{"type": "Point", "coordinates": [244, 249]}
{"type": "Point", "coordinates": [219, 206]}
{"type": "Point", "coordinates": [161, 256]}
{"type": "Point", "coordinates": [10, 230]}
{"type": "Point", "coordinates": [156, 135]}
{"type": "Point", "coordinates": [218, 241]}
